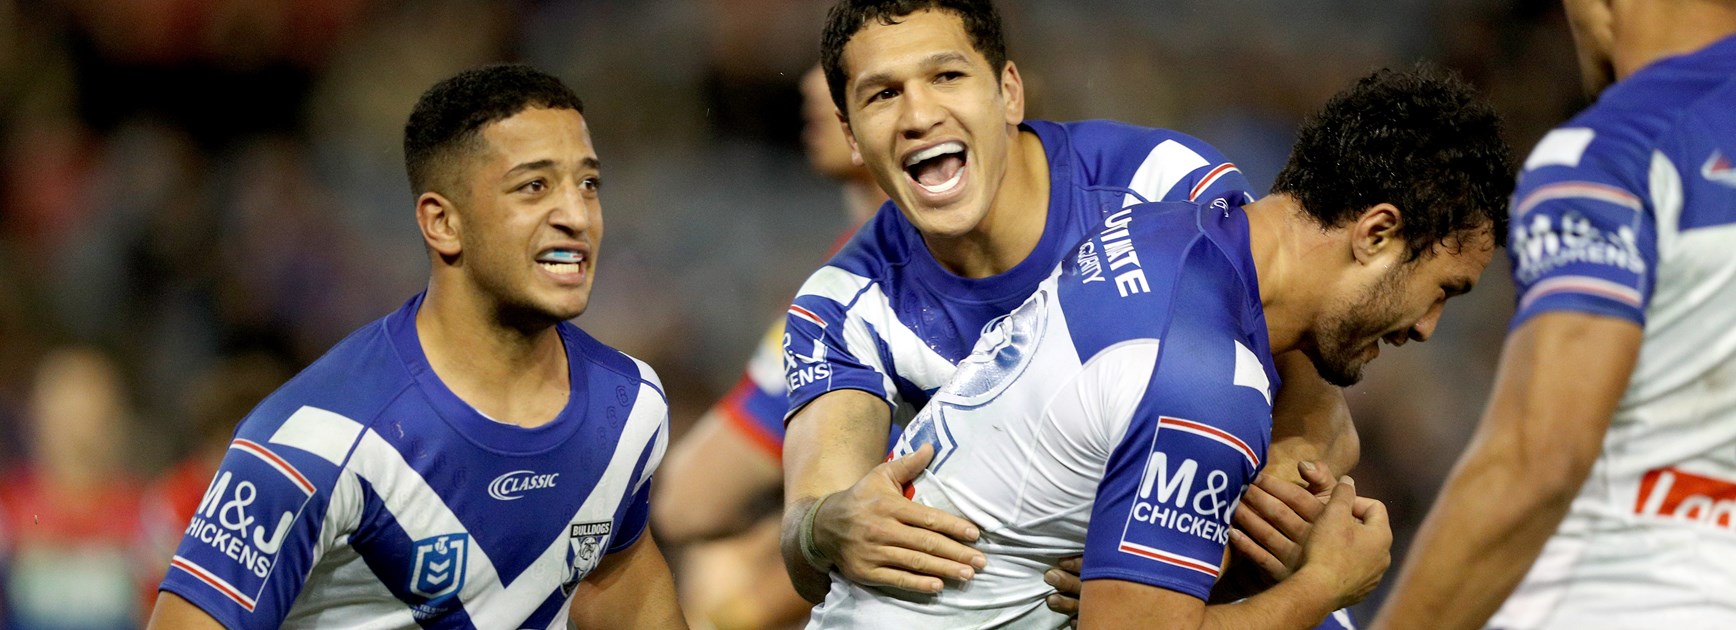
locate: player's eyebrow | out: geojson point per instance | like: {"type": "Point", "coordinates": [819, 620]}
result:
{"type": "Point", "coordinates": [1460, 286]}
{"type": "Point", "coordinates": [937, 59]}
{"type": "Point", "coordinates": [588, 163]}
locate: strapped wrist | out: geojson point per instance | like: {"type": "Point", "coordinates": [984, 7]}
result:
{"type": "Point", "coordinates": [805, 539]}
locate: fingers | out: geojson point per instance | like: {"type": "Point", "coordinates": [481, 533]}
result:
{"type": "Point", "coordinates": [934, 520]}
{"type": "Point", "coordinates": [1262, 558]}
{"type": "Point", "coordinates": [1067, 584]}
{"type": "Point", "coordinates": [1063, 604]}
{"type": "Point", "coordinates": [1072, 565]}
{"type": "Point", "coordinates": [1276, 512]}
{"type": "Point", "coordinates": [1318, 476]}
{"type": "Point", "coordinates": [1343, 496]}
{"type": "Point", "coordinates": [1372, 512]}
{"type": "Point", "coordinates": [884, 576]}
{"type": "Point", "coordinates": [1305, 504]}
{"type": "Point", "coordinates": [905, 469]}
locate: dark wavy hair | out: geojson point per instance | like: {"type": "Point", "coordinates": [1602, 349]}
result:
{"type": "Point", "coordinates": [448, 117]}
{"type": "Point", "coordinates": [982, 25]}
{"type": "Point", "coordinates": [1422, 140]}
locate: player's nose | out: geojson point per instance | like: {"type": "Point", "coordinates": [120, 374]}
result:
{"type": "Point", "coordinates": [919, 111]}
{"type": "Point", "coordinates": [570, 213]}
{"type": "Point", "coordinates": [1425, 327]}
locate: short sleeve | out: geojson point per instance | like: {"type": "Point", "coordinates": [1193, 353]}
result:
{"type": "Point", "coordinates": [827, 346]}
{"type": "Point", "coordinates": [1582, 236]}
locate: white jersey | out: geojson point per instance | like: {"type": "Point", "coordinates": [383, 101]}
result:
{"type": "Point", "coordinates": [1118, 413]}
{"type": "Point", "coordinates": [1629, 211]}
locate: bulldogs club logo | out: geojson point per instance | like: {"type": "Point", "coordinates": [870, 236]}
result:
{"type": "Point", "coordinates": [586, 544]}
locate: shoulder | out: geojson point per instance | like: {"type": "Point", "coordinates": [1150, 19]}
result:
{"type": "Point", "coordinates": [615, 366]}
{"type": "Point", "coordinates": [326, 405]}
{"type": "Point", "coordinates": [1113, 141]}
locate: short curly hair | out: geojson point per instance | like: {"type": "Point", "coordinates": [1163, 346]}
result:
{"type": "Point", "coordinates": [448, 117]}
{"type": "Point", "coordinates": [1422, 140]}
{"type": "Point", "coordinates": [982, 26]}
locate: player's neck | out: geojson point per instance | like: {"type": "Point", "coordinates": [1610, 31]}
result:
{"type": "Point", "coordinates": [1288, 250]}
{"type": "Point", "coordinates": [516, 374]}
{"type": "Point", "coordinates": [1014, 223]}
{"type": "Point", "coordinates": [1658, 30]}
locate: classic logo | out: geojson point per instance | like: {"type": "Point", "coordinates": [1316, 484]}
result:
{"type": "Point", "coordinates": [512, 485]}
{"type": "Point", "coordinates": [439, 566]}
{"type": "Point", "coordinates": [587, 543]}
{"type": "Point", "coordinates": [1718, 168]}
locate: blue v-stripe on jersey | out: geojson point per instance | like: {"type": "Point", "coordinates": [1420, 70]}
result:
{"type": "Point", "coordinates": [364, 492]}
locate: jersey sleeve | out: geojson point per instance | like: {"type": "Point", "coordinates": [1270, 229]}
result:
{"type": "Point", "coordinates": [1194, 439]}
{"type": "Point", "coordinates": [828, 345]}
{"type": "Point", "coordinates": [264, 520]}
{"type": "Point", "coordinates": [635, 511]}
{"type": "Point", "coordinates": [1582, 236]}
{"type": "Point", "coordinates": [1173, 166]}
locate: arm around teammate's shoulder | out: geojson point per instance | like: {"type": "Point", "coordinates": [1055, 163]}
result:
{"type": "Point", "coordinates": [863, 527]}
{"type": "Point", "coordinates": [1561, 376]}
{"type": "Point", "coordinates": [1345, 556]}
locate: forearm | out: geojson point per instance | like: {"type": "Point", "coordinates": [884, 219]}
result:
{"type": "Point", "coordinates": [1310, 421]}
{"type": "Point", "coordinates": [830, 444]}
{"type": "Point", "coordinates": [1300, 602]}
{"type": "Point", "coordinates": [1561, 377]}
{"type": "Point", "coordinates": [1489, 525]}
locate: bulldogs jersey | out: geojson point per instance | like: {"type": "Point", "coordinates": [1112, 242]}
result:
{"type": "Point", "coordinates": [1629, 211]}
{"type": "Point", "coordinates": [1118, 413]}
{"type": "Point", "coordinates": [886, 318]}
{"type": "Point", "coordinates": [365, 493]}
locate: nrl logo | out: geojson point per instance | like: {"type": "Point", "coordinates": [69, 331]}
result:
{"type": "Point", "coordinates": [440, 565]}
{"type": "Point", "coordinates": [1718, 168]}
{"type": "Point", "coordinates": [587, 543]}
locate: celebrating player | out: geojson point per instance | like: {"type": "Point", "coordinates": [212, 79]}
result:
{"type": "Point", "coordinates": [1123, 408]}
{"type": "Point", "coordinates": [984, 205]}
{"type": "Point", "coordinates": [471, 460]}
{"type": "Point", "coordinates": [1598, 490]}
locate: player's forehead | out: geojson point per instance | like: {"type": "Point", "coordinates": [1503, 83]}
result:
{"type": "Point", "coordinates": [921, 39]}
{"type": "Point", "coordinates": [557, 137]}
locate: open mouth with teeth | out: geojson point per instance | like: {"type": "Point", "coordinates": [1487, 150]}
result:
{"type": "Point", "coordinates": [562, 261]}
{"type": "Point", "coordinates": [937, 169]}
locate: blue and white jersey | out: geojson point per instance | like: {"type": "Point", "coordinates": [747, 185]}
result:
{"type": "Point", "coordinates": [1118, 413]}
{"type": "Point", "coordinates": [886, 318]}
{"type": "Point", "coordinates": [365, 493]}
{"type": "Point", "coordinates": [1629, 211]}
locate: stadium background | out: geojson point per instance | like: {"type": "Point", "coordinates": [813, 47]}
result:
{"type": "Point", "coordinates": [197, 188]}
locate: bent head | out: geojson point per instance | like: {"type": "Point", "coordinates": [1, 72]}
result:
{"type": "Point", "coordinates": [930, 103]}
{"type": "Point", "coordinates": [1409, 172]}
{"type": "Point", "coordinates": [506, 179]}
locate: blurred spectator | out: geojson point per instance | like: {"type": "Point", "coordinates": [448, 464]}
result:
{"type": "Point", "coordinates": [69, 545]}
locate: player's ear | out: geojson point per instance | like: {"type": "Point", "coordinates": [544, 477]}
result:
{"type": "Point", "coordinates": [1013, 93]}
{"type": "Point", "coordinates": [438, 218]}
{"type": "Point", "coordinates": [850, 138]}
{"type": "Point", "coordinates": [1375, 234]}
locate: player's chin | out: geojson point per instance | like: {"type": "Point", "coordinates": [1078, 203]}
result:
{"type": "Point", "coordinates": [1340, 368]}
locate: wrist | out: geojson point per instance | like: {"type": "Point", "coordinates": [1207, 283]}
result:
{"type": "Point", "coordinates": [1316, 586]}
{"type": "Point", "coordinates": [819, 560]}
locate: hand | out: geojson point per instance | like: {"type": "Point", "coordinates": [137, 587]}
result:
{"type": "Point", "coordinates": [1349, 547]}
{"type": "Point", "coordinates": [1275, 516]}
{"type": "Point", "coordinates": [877, 537]}
{"type": "Point", "coordinates": [1065, 578]}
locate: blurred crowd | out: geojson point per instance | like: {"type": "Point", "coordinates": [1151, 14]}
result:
{"type": "Point", "coordinates": [198, 197]}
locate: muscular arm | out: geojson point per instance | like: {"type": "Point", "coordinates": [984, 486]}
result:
{"type": "Point", "coordinates": [1310, 421]}
{"type": "Point", "coordinates": [828, 446]}
{"type": "Point", "coordinates": [1561, 376]}
{"type": "Point", "coordinates": [1345, 556]}
{"type": "Point", "coordinates": [629, 589]}
{"type": "Point", "coordinates": [692, 501]}
{"type": "Point", "coordinates": [866, 528]}
{"type": "Point", "coordinates": [173, 612]}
